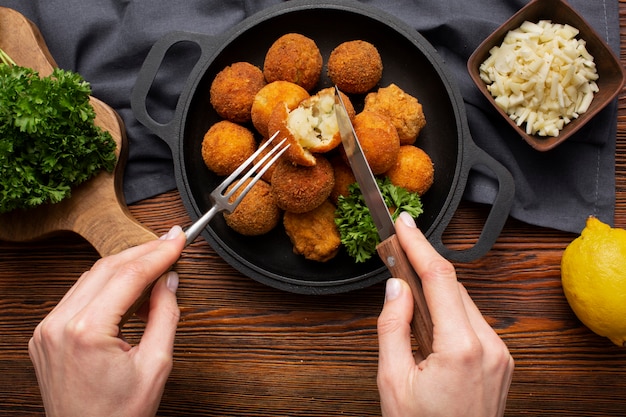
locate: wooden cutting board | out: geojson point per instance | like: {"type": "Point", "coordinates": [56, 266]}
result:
{"type": "Point", "coordinates": [96, 210]}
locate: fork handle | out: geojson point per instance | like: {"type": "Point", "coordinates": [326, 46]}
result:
{"type": "Point", "coordinates": [198, 226]}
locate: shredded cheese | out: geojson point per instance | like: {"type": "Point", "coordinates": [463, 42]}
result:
{"type": "Point", "coordinates": [541, 75]}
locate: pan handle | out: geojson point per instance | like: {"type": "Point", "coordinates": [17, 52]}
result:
{"type": "Point", "coordinates": [497, 215]}
{"type": "Point", "coordinates": [149, 70]}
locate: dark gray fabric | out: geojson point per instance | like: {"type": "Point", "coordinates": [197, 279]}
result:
{"type": "Point", "coordinates": [107, 40]}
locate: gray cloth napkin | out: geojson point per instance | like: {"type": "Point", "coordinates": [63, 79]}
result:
{"type": "Point", "coordinates": [106, 41]}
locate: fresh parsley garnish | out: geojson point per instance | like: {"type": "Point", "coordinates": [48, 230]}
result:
{"type": "Point", "coordinates": [48, 140]}
{"type": "Point", "coordinates": [356, 227]}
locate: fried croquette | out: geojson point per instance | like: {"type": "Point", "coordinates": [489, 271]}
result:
{"type": "Point", "coordinates": [311, 127]}
{"type": "Point", "coordinates": [226, 145]}
{"type": "Point", "coordinates": [413, 170]}
{"type": "Point", "coordinates": [293, 57]}
{"type": "Point", "coordinates": [344, 177]}
{"type": "Point", "coordinates": [355, 66]}
{"type": "Point", "coordinates": [298, 188]}
{"type": "Point", "coordinates": [296, 153]}
{"type": "Point", "coordinates": [257, 212]}
{"type": "Point", "coordinates": [379, 140]}
{"type": "Point", "coordinates": [233, 89]}
{"type": "Point", "coordinates": [269, 97]}
{"type": "Point", "coordinates": [314, 234]}
{"type": "Point", "coordinates": [404, 111]}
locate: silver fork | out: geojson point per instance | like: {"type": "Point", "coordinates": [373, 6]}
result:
{"type": "Point", "coordinates": [221, 200]}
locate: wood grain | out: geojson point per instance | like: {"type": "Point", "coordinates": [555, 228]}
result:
{"type": "Point", "coordinates": [393, 256]}
{"type": "Point", "coordinates": [243, 349]}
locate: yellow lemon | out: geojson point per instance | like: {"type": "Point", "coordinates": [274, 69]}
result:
{"type": "Point", "coordinates": [593, 275]}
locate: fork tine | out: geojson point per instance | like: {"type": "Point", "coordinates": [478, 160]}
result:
{"type": "Point", "coordinates": [221, 202]}
{"type": "Point", "coordinates": [257, 175]}
{"type": "Point", "coordinates": [245, 163]}
{"type": "Point", "coordinates": [275, 153]}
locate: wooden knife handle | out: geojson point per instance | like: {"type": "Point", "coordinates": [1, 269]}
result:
{"type": "Point", "coordinates": [397, 262]}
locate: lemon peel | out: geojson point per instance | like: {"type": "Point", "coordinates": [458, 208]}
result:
{"type": "Point", "coordinates": [593, 276]}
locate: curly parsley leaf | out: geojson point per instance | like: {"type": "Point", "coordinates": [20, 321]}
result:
{"type": "Point", "coordinates": [48, 140]}
{"type": "Point", "coordinates": [356, 227]}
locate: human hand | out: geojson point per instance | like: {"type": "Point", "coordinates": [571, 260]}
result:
{"type": "Point", "coordinates": [470, 370]}
{"type": "Point", "coordinates": [83, 366]}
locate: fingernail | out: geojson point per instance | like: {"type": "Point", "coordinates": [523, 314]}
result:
{"type": "Point", "coordinates": [171, 281]}
{"type": "Point", "coordinates": [172, 234]}
{"type": "Point", "coordinates": [392, 289]}
{"type": "Point", "coordinates": [407, 219]}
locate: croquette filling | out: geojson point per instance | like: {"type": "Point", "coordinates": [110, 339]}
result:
{"type": "Point", "coordinates": [314, 123]}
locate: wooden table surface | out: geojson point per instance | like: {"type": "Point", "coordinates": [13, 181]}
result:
{"type": "Point", "coordinates": [244, 349]}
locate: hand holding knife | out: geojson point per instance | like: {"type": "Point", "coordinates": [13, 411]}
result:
{"type": "Point", "coordinates": [389, 249]}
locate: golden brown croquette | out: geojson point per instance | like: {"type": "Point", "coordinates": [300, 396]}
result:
{"type": "Point", "coordinates": [233, 89]}
{"type": "Point", "coordinates": [311, 127]}
{"type": "Point", "coordinates": [379, 140]}
{"type": "Point", "coordinates": [413, 170]}
{"type": "Point", "coordinates": [269, 97]}
{"type": "Point", "coordinates": [293, 57]}
{"type": "Point", "coordinates": [257, 212]}
{"type": "Point", "coordinates": [404, 111]}
{"type": "Point", "coordinates": [344, 177]}
{"type": "Point", "coordinates": [296, 154]}
{"type": "Point", "coordinates": [314, 234]}
{"type": "Point", "coordinates": [226, 145]}
{"type": "Point", "coordinates": [355, 66]}
{"type": "Point", "coordinates": [299, 189]}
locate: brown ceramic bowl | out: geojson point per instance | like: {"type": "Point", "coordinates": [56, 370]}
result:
{"type": "Point", "coordinates": [610, 72]}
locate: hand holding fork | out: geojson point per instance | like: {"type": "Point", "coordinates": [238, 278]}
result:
{"type": "Point", "coordinates": [221, 197]}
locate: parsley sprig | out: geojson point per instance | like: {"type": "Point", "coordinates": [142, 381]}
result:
{"type": "Point", "coordinates": [356, 227]}
{"type": "Point", "coordinates": [48, 140]}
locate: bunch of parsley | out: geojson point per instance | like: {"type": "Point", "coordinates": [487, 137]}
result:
{"type": "Point", "coordinates": [356, 227]}
{"type": "Point", "coordinates": [48, 140]}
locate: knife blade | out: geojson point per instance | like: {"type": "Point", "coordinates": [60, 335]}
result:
{"type": "Point", "coordinates": [389, 249]}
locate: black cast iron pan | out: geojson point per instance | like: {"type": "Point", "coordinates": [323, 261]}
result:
{"type": "Point", "coordinates": [409, 61]}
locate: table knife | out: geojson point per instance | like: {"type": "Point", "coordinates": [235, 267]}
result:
{"type": "Point", "coordinates": [389, 249]}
